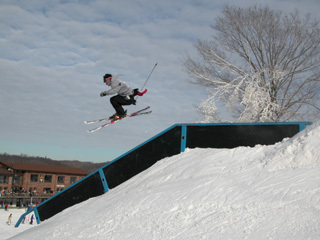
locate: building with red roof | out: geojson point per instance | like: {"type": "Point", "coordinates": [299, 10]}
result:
{"type": "Point", "coordinates": [20, 183]}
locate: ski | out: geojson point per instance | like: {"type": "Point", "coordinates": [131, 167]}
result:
{"type": "Point", "coordinates": [141, 113]}
{"type": "Point", "coordinates": [107, 119]}
{"type": "Point", "coordinates": [137, 113]}
{"type": "Point", "coordinates": [97, 121]}
{"type": "Point", "coordinates": [110, 123]}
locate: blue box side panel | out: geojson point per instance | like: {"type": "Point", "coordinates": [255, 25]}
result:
{"type": "Point", "coordinates": [96, 183]}
{"type": "Point", "coordinates": [85, 189]}
{"type": "Point", "coordinates": [235, 135]}
{"type": "Point", "coordinates": [165, 145]}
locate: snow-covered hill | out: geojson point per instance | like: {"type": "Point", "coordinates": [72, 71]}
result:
{"type": "Point", "coordinates": [265, 192]}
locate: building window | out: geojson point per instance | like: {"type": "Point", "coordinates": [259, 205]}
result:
{"type": "Point", "coordinates": [16, 180]}
{"type": "Point", "coordinates": [17, 190]}
{"type": "Point", "coordinates": [47, 190]}
{"type": "Point", "coordinates": [4, 179]}
{"type": "Point", "coordinates": [73, 180]}
{"type": "Point", "coordinates": [34, 178]}
{"type": "Point", "coordinates": [32, 190]}
{"type": "Point", "coordinates": [47, 178]}
{"type": "Point", "coordinates": [60, 179]}
{"type": "Point", "coordinates": [41, 177]}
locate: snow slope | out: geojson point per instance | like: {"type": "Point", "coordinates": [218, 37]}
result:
{"type": "Point", "coordinates": [265, 192]}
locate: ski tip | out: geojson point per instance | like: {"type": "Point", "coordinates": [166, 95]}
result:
{"type": "Point", "coordinates": [95, 129]}
{"type": "Point", "coordinates": [92, 130]}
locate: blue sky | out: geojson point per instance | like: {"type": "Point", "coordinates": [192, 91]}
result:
{"type": "Point", "coordinates": [53, 55]}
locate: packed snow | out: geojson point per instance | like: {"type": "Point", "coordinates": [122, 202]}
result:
{"type": "Point", "coordinates": [264, 192]}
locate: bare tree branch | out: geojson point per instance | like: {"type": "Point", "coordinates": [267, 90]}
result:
{"type": "Point", "coordinates": [263, 65]}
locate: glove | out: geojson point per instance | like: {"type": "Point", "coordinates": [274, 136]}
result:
{"type": "Point", "coordinates": [142, 93]}
{"type": "Point", "coordinates": [135, 91]}
{"type": "Point", "coordinates": [102, 94]}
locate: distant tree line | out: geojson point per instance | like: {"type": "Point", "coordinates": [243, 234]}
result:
{"type": "Point", "coordinates": [23, 158]}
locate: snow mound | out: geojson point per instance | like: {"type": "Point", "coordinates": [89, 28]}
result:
{"type": "Point", "coordinates": [300, 150]}
{"type": "Point", "coordinates": [264, 192]}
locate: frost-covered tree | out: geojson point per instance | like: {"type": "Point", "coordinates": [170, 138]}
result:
{"type": "Point", "coordinates": [262, 65]}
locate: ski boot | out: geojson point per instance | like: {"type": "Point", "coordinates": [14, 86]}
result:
{"type": "Point", "coordinates": [113, 116]}
{"type": "Point", "coordinates": [116, 117]}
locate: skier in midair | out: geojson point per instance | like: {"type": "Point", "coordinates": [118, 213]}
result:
{"type": "Point", "coordinates": [125, 95]}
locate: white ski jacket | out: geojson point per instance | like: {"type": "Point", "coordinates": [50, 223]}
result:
{"type": "Point", "coordinates": [119, 87]}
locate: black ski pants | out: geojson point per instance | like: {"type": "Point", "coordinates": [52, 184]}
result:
{"type": "Point", "coordinates": [118, 101]}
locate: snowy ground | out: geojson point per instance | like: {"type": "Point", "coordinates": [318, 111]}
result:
{"type": "Point", "coordinates": [265, 192]}
{"type": "Point", "coordinates": [7, 231]}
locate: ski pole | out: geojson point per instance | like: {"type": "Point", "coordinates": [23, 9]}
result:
{"type": "Point", "coordinates": [148, 76]}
